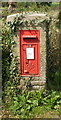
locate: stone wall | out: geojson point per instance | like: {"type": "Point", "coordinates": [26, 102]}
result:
{"type": "Point", "coordinates": [33, 21]}
{"type": "Point", "coordinates": [49, 45]}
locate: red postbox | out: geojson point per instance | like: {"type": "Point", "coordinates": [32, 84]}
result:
{"type": "Point", "coordinates": [29, 52]}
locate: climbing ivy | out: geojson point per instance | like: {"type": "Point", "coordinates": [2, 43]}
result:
{"type": "Point", "coordinates": [17, 102]}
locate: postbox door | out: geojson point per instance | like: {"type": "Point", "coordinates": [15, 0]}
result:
{"type": "Point", "coordinates": [29, 52]}
{"type": "Point", "coordinates": [30, 59]}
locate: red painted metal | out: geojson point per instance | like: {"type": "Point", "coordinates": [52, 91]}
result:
{"type": "Point", "coordinates": [29, 52]}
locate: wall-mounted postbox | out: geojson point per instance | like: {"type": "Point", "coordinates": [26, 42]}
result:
{"type": "Point", "coordinates": [29, 52]}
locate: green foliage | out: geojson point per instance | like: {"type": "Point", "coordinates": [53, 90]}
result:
{"type": "Point", "coordinates": [22, 104]}
{"type": "Point", "coordinates": [14, 26]}
{"type": "Point", "coordinates": [6, 52]}
{"type": "Point", "coordinates": [58, 23]}
{"type": "Point", "coordinates": [10, 73]}
{"type": "Point", "coordinates": [53, 55]}
{"type": "Point", "coordinates": [4, 12]}
{"type": "Point", "coordinates": [52, 99]}
{"type": "Point", "coordinates": [4, 4]}
{"type": "Point", "coordinates": [56, 83]}
{"type": "Point", "coordinates": [39, 4]}
{"type": "Point", "coordinates": [32, 6]}
{"type": "Point", "coordinates": [57, 80]}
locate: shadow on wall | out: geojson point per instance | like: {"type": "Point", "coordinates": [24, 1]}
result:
{"type": "Point", "coordinates": [53, 70]}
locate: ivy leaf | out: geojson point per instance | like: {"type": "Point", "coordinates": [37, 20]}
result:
{"type": "Point", "coordinates": [35, 102]}
{"type": "Point", "coordinates": [28, 108]}
{"type": "Point", "coordinates": [29, 101]}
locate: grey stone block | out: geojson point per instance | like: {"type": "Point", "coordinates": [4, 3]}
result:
{"type": "Point", "coordinates": [37, 87]}
{"type": "Point", "coordinates": [40, 83]}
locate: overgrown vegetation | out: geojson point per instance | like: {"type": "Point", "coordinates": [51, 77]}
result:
{"type": "Point", "coordinates": [24, 104]}
{"type": "Point", "coordinates": [53, 53]}
{"type": "Point", "coordinates": [29, 7]}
